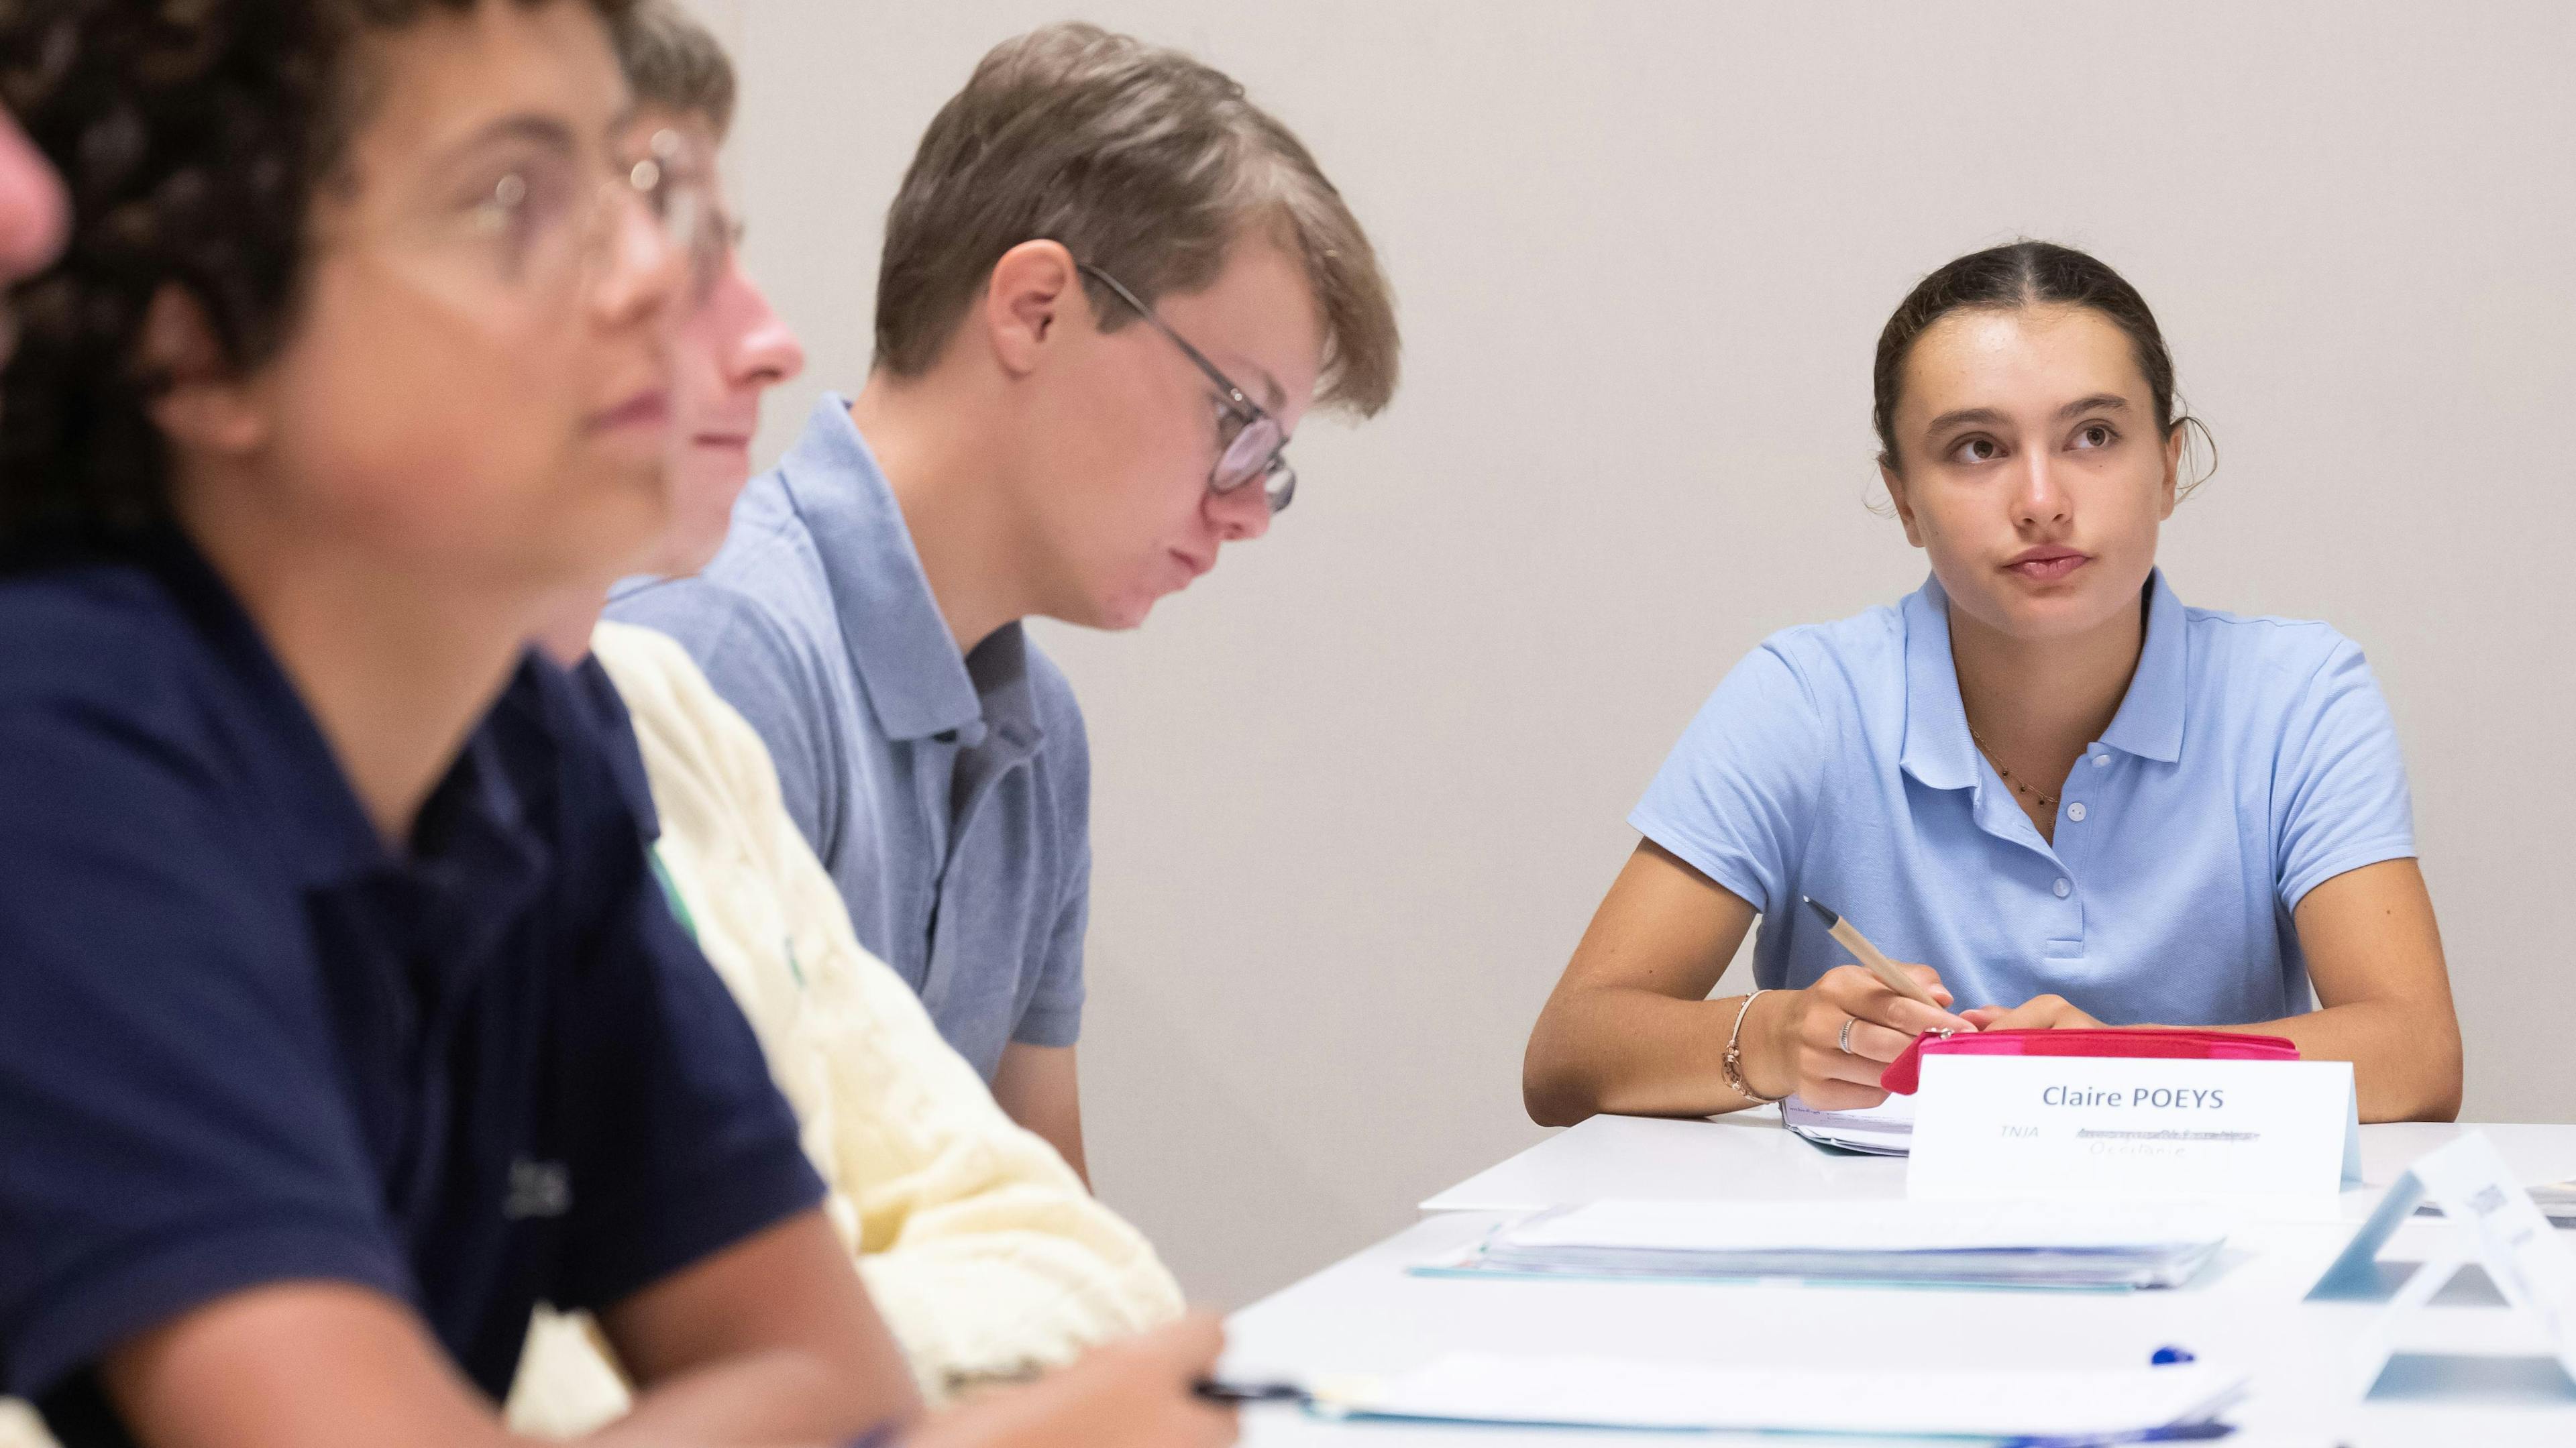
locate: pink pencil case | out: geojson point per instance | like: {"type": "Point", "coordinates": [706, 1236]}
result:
{"type": "Point", "coordinates": [1905, 1073]}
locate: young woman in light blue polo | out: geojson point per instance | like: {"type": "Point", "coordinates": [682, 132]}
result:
{"type": "Point", "coordinates": [2076, 800]}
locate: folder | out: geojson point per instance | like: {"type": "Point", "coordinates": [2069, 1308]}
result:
{"type": "Point", "coordinates": [1870, 1242]}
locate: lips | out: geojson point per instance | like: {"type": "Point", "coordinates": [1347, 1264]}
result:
{"type": "Point", "coordinates": [650, 408]}
{"type": "Point", "coordinates": [2046, 565]}
{"type": "Point", "coordinates": [1197, 567]}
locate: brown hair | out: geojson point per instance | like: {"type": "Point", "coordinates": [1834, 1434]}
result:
{"type": "Point", "coordinates": [192, 140]}
{"type": "Point", "coordinates": [1144, 163]}
{"type": "Point", "coordinates": [2029, 274]}
{"type": "Point", "coordinates": [674, 64]}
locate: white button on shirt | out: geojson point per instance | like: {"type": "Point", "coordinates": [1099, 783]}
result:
{"type": "Point", "coordinates": [2075, 811]}
{"type": "Point", "coordinates": [1835, 761]}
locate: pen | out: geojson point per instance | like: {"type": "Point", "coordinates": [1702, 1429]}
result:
{"type": "Point", "coordinates": [1214, 1391]}
{"type": "Point", "coordinates": [1868, 955]}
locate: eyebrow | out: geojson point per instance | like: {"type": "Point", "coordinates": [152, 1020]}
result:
{"type": "Point", "coordinates": [1273, 396]}
{"type": "Point", "coordinates": [2098, 402]}
{"type": "Point", "coordinates": [542, 130]}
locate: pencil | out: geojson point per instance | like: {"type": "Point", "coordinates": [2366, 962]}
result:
{"type": "Point", "coordinates": [1888, 972]}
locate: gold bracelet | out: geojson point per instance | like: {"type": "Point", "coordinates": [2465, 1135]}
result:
{"type": "Point", "coordinates": [1735, 1081]}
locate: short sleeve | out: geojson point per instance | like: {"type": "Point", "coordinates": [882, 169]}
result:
{"type": "Point", "coordinates": [172, 1125]}
{"type": "Point", "coordinates": [1736, 797]}
{"type": "Point", "coordinates": [756, 667]}
{"type": "Point", "coordinates": [2339, 791]}
{"type": "Point", "coordinates": [692, 1149]}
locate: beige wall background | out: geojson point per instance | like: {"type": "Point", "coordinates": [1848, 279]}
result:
{"type": "Point", "coordinates": [1358, 792]}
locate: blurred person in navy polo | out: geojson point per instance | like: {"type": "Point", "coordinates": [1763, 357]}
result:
{"type": "Point", "coordinates": [341, 1021]}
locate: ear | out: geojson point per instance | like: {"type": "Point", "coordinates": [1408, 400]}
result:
{"type": "Point", "coordinates": [1894, 482]}
{"type": "Point", "coordinates": [1033, 290]}
{"type": "Point", "coordinates": [2173, 469]}
{"type": "Point", "coordinates": [203, 405]}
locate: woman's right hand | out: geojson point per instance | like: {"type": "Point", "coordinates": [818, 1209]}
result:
{"type": "Point", "coordinates": [1800, 1046]}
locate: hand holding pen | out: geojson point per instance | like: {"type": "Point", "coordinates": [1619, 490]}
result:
{"type": "Point", "coordinates": [1829, 1042]}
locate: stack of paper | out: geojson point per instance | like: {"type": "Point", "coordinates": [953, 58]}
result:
{"type": "Point", "coordinates": [2556, 1200]}
{"type": "Point", "coordinates": [1977, 1244]}
{"type": "Point", "coordinates": [1610, 1393]}
{"type": "Point", "coordinates": [1886, 1129]}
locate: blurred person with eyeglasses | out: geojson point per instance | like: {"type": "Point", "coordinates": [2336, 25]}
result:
{"type": "Point", "coordinates": [342, 1020]}
{"type": "Point", "coordinates": [981, 1248]}
{"type": "Point", "coordinates": [1111, 290]}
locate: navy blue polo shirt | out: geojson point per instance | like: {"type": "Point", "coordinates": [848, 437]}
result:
{"type": "Point", "coordinates": [243, 1041]}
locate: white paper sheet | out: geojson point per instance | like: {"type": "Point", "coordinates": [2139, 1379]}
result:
{"type": "Point", "coordinates": [1614, 1393]}
{"type": "Point", "coordinates": [1886, 1225]}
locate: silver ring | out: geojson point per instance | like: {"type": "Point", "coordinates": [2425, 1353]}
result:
{"type": "Point", "coordinates": [1843, 1041]}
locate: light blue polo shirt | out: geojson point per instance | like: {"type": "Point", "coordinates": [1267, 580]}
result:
{"type": "Point", "coordinates": [948, 796]}
{"type": "Point", "coordinates": [2252, 760]}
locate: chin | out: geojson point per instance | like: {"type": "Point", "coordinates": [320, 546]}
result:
{"type": "Point", "coordinates": [2065, 614]}
{"type": "Point", "coordinates": [1123, 614]}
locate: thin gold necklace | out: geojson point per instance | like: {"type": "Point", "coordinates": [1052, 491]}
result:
{"type": "Point", "coordinates": [2046, 801]}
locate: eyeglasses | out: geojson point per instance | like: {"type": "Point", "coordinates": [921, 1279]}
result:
{"type": "Point", "coordinates": [1250, 442]}
{"type": "Point", "coordinates": [553, 248]}
{"type": "Point", "coordinates": [544, 225]}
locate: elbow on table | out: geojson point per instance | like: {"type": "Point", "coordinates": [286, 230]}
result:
{"type": "Point", "coordinates": [2429, 1088]}
{"type": "Point", "coordinates": [1553, 1090]}
{"type": "Point", "coordinates": [2443, 1087]}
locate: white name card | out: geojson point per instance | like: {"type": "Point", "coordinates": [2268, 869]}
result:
{"type": "Point", "coordinates": [2283, 1136]}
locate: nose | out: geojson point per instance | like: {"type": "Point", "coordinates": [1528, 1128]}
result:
{"type": "Point", "coordinates": [766, 352]}
{"type": "Point", "coordinates": [1241, 515]}
{"type": "Point", "coordinates": [2039, 496]}
{"type": "Point", "coordinates": [33, 214]}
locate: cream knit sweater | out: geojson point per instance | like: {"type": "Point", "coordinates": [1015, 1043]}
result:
{"type": "Point", "coordinates": [978, 1243]}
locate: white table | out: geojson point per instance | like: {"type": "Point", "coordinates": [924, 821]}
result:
{"type": "Point", "coordinates": [1367, 1315]}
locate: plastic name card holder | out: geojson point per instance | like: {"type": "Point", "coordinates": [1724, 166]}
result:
{"type": "Point", "coordinates": [2147, 1115]}
{"type": "Point", "coordinates": [2493, 1222]}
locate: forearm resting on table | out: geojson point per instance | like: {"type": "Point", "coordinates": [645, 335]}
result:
{"type": "Point", "coordinates": [2405, 1066]}
{"type": "Point", "coordinates": [1627, 1051]}
{"type": "Point", "coordinates": [770, 1341]}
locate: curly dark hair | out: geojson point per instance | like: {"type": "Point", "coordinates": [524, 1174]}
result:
{"type": "Point", "coordinates": [191, 138]}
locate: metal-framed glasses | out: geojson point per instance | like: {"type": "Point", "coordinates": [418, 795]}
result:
{"type": "Point", "coordinates": [1250, 442]}
{"type": "Point", "coordinates": [554, 231]}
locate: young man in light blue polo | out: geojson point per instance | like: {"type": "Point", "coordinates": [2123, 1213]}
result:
{"type": "Point", "coordinates": [1111, 289]}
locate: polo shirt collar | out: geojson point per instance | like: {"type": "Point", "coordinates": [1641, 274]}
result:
{"type": "Point", "coordinates": [1940, 753]}
{"type": "Point", "coordinates": [2149, 724]}
{"type": "Point", "coordinates": [476, 809]}
{"type": "Point", "coordinates": [916, 682]}
{"type": "Point", "coordinates": [330, 838]}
